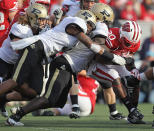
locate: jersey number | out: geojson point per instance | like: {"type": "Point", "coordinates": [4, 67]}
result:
{"type": "Point", "coordinates": [2, 27]}
{"type": "Point", "coordinates": [111, 36]}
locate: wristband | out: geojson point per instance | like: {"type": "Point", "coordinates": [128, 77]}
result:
{"type": "Point", "coordinates": [95, 48]}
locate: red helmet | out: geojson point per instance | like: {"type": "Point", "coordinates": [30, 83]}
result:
{"type": "Point", "coordinates": [130, 34]}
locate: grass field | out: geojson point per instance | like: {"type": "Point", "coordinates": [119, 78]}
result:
{"type": "Point", "coordinates": [99, 121]}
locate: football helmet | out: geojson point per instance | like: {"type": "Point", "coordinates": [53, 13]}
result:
{"type": "Point", "coordinates": [35, 12]}
{"type": "Point", "coordinates": [103, 12]}
{"type": "Point", "coordinates": [130, 34]}
{"type": "Point", "coordinates": [88, 17]}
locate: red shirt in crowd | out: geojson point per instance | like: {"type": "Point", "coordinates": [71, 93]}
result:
{"type": "Point", "coordinates": [131, 15]}
{"type": "Point", "coordinates": [6, 6]}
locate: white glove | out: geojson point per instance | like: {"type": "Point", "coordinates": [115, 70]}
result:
{"type": "Point", "coordinates": [58, 13]}
{"type": "Point", "coordinates": [136, 73]}
{"type": "Point", "coordinates": [119, 60]}
{"type": "Point", "coordinates": [56, 10]}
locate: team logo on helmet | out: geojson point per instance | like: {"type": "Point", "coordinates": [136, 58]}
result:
{"type": "Point", "coordinates": [126, 27]}
{"type": "Point", "coordinates": [86, 14]}
{"type": "Point", "coordinates": [130, 34]}
{"type": "Point", "coordinates": [36, 11]}
{"type": "Point", "coordinates": [104, 12]}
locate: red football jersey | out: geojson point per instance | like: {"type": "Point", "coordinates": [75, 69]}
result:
{"type": "Point", "coordinates": [5, 7]}
{"type": "Point", "coordinates": [114, 44]}
{"type": "Point", "coordinates": [88, 88]}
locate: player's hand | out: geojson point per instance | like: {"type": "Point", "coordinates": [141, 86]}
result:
{"type": "Point", "coordinates": [129, 61]}
{"type": "Point", "coordinates": [136, 73]}
{"type": "Point", "coordinates": [58, 13]}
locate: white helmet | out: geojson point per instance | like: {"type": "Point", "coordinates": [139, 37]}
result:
{"type": "Point", "coordinates": [131, 32]}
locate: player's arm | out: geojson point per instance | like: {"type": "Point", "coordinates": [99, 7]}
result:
{"type": "Point", "coordinates": [13, 10]}
{"type": "Point", "coordinates": [99, 39]}
{"type": "Point", "coordinates": [75, 30]}
{"type": "Point", "coordinates": [11, 15]}
{"type": "Point", "coordinates": [13, 37]}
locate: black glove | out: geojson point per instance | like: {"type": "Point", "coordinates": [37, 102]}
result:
{"type": "Point", "coordinates": [129, 61]}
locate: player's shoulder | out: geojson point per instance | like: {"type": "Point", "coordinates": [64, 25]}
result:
{"type": "Point", "coordinates": [112, 42]}
{"type": "Point", "coordinates": [11, 5]}
{"type": "Point", "coordinates": [101, 29]}
{"type": "Point", "coordinates": [71, 19]}
{"type": "Point", "coordinates": [76, 20]}
{"type": "Point", "coordinates": [21, 30]}
{"type": "Point", "coordinates": [114, 30]}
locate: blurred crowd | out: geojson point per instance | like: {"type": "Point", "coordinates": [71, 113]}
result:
{"type": "Point", "coordinates": [132, 9]}
{"type": "Point", "coordinates": [147, 59]}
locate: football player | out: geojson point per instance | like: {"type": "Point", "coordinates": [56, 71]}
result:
{"type": "Point", "coordinates": [69, 9]}
{"type": "Point", "coordinates": [9, 57]}
{"type": "Point", "coordinates": [86, 97]}
{"type": "Point", "coordinates": [147, 75]}
{"type": "Point", "coordinates": [60, 79]}
{"type": "Point", "coordinates": [105, 14]}
{"type": "Point", "coordinates": [124, 42]}
{"type": "Point", "coordinates": [64, 30]}
{"type": "Point", "coordinates": [20, 13]}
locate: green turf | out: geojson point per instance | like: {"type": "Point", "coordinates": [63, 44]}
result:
{"type": "Point", "coordinates": [99, 121]}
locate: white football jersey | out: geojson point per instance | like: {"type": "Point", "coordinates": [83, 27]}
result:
{"type": "Point", "coordinates": [7, 54]}
{"type": "Point", "coordinates": [101, 29]}
{"type": "Point", "coordinates": [57, 38]}
{"type": "Point", "coordinates": [74, 7]}
{"type": "Point", "coordinates": [80, 56]}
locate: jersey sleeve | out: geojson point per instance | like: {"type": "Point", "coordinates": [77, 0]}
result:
{"type": "Point", "coordinates": [109, 44]}
{"type": "Point", "coordinates": [80, 22]}
{"type": "Point", "coordinates": [21, 31]}
{"type": "Point", "coordinates": [112, 41]}
{"type": "Point", "coordinates": [101, 29]}
{"type": "Point", "coordinates": [11, 5]}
